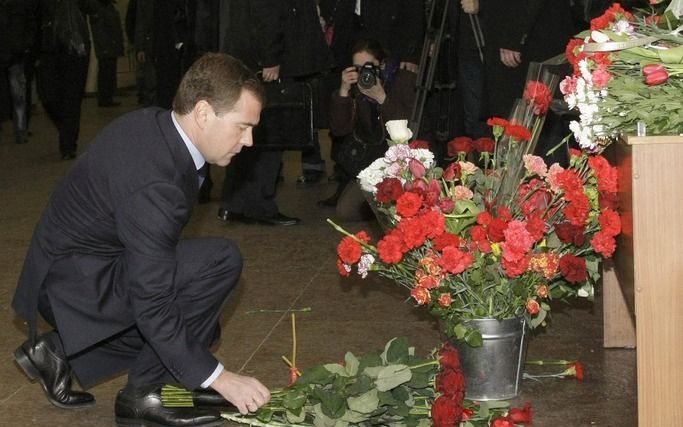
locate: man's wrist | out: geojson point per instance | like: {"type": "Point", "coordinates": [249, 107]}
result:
{"type": "Point", "coordinates": [216, 373]}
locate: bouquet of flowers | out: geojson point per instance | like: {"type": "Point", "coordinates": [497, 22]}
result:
{"type": "Point", "coordinates": [394, 387]}
{"type": "Point", "coordinates": [465, 253]}
{"type": "Point", "coordinates": [628, 75]}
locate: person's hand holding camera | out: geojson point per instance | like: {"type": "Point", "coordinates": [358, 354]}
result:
{"type": "Point", "coordinates": [375, 92]}
{"type": "Point", "coordinates": [349, 77]}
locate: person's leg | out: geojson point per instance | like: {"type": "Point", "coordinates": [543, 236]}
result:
{"type": "Point", "coordinates": [73, 86]}
{"type": "Point", "coordinates": [106, 81]}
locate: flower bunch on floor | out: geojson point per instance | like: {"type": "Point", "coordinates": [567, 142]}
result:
{"type": "Point", "coordinates": [394, 387]}
{"type": "Point", "coordinates": [465, 254]}
{"type": "Point", "coordinates": [628, 75]}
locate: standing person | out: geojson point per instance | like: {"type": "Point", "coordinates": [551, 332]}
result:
{"type": "Point", "coordinates": [17, 32]}
{"type": "Point", "coordinates": [144, 46]}
{"type": "Point", "coordinates": [357, 116]}
{"type": "Point", "coordinates": [108, 40]}
{"type": "Point", "coordinates": [280, 40]}
{"type": "Point", "coordinates": [107, 268]}
{"type": "Point", "coordinates": [62, 66]}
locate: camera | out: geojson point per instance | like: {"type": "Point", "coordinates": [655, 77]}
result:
{"type": "Point", "coordinates": [368, 74]}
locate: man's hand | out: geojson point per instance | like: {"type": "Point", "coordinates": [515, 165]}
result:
{"type": "Point", "coordinates": [271, 74]}
{"type": "Point", "coordinates": [246, 393]}
{"type": "Point", "coordinates": [140, 56]}
{"type": "Point", "coordinates": [511, 58]}
{"type": "Point", "coordinates": [470, 6]}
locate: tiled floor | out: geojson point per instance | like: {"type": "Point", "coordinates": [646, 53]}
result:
{"type": "Point", "coordinates": [287, 268]}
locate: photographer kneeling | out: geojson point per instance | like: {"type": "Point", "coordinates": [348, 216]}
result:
{"type": "Point", "coordinates": [374, 90]}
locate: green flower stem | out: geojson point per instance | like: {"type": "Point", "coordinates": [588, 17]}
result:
{"type": "Point", "coordinates": [549, 362]}
{"type": "Point", "coordinates": [254, 422]}
{"type": "Point", "coordinates": [367, 246]}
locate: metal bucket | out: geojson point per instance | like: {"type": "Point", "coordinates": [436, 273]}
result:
{"type": "Point", "coordinates": [494, 370]}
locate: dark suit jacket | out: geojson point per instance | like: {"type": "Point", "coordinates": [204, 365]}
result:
{"type": "Point", "coordinates": [107, 242]}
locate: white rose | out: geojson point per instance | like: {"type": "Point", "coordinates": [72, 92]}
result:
{"type": "Point", "coordinates": [398, 130]}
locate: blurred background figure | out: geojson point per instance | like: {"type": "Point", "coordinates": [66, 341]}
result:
{"type": "Point", "coordinates": [108, 42]}
{"type": "Point", "coordinates": [144, 43]}
{"type": "Point", "coordinates": [17, 34]}
{"type": "Point", "coordinates": [372, 91]}
{"type": "Point", "coordinates": [62, 65]}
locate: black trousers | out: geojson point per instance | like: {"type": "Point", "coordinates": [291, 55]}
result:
{"type": "Point", "coordinates": [60, 81]}
{"type": "Point", "coordinates": [106, 79]}
{"type": "Point", "coordinates": [207, 272]}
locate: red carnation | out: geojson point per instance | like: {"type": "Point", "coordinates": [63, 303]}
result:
{"type": "Point", "coordinates": [573, 268]}
{"type": "Point", "coordinates": [344, 270]}
{"type": "Point", "coordinates": [447, 239]}
{"type": "Point", "coordinates": [389, 190]}
{"type": "Point", "coordinates": [568, 233]}
{"type": "Point", "coordinates": [504, 213]}
{"type": "Point", "coordinates": [460, 144]}
{"type": "Point", "coordinates": [496, 230]}
{"type": "Point", "coordinates": [349, 250]}
{"type": "Point", "coordinates": [408, 204]}
{"type": "Point", "coordinates": [484, 145]}
{"type": "Point", "coordinates": [578, 367]}
{"type": "Point", "coordinates": [604, 244]}
{"type": "Point", "coordinates": [389, 249]}
{"type": "Point", "coordinates": [497, 121]}
{"type": "Point", "coordinates": [456, 261]}
{"type": "Point", "coordinates": [451, 382]}
{"type": "Point", "coordinates": [610, 223]}
{"type": "Point", "coordinates": [518, 133]}
{"type": "Point", "coordinates": [449, 357]}
{"type": "Point", "coordinates": [539, 95]}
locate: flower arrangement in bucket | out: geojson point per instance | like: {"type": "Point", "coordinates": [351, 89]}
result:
{"type": "Point", "coordinates": [465, 253]}
{"type": "Point", "coordinates": [628, 75]}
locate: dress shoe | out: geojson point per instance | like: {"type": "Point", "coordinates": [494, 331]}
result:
{"type": "Point", "coordinates": [309, 178]}
{"type": "Point", "coordinates": [141, 406]}
{"type": "Point", "coordinates": [46, 362]}
{"type": "Point", "coordinates": [227, 216]}
{"type": "Point", "coordinates": [277, 219]}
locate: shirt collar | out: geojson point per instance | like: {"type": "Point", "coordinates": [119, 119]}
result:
{"type": "Point", "coordinates": [197, 157]}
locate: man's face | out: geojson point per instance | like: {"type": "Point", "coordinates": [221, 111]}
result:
{"type": "Point", "coordinates": [224, 136]}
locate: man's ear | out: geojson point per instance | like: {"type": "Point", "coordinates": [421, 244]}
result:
{"type": "Point", "coordinates": [202, 113]}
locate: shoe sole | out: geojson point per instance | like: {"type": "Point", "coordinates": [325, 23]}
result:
{"type": "Point", "coordinates": [32, 373]}
{"type": "Point", "coordinates": [134, 422]}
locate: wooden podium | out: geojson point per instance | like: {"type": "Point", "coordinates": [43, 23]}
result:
{"type": "Point", "coordinates": [643, 283]}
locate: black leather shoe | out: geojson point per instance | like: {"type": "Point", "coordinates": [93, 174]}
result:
{"type": "Point", "coordinates": [141, 406]}
{"type": "Point", "coordinates": [46, 362]}
{"type": "Point", "coordinates": [278, 219]}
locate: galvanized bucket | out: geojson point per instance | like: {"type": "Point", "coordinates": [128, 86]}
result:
{"type": "Point", "coordinates": [494, 370]}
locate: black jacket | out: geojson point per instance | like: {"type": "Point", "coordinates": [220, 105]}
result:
{"type": "Point", "coordinates": [17, 28]}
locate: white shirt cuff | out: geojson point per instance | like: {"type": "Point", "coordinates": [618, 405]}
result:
{"type": "Point", "coordinates": [213, 376]}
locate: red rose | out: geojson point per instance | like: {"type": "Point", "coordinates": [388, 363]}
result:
{"type": "Point", "coordinates": [460, 144]}
{"type": "Point", "coordinates": [573, 268]}
{"type": "Point", "coordinates": [449, 358]}
{"type": "Point", "coordinates": [389, 190]}
{"type": "Point", "coordinates": [502, 422]}
{"type": "Point", "coordinates": [452, 172]}
{"type": "Point", "coordinates": [349, 250]}
{"type": "Point", "coordinates": [408, 204]}
{"type": "Point", "coordinates": [389, 249]}
{"type": "Point", "coordinates": [518, 133]}
{"type": "Point", "coordinates": [450, 382]}
{"type": "Point", "coordinates": [419, 143]}
{"type": "Point", "coordinates": [484, 145]}
{"type": "Point", "coordinates": [521, 416]}
{"type": "Point", "coordinates": [446, 412]}
{"type": "Point", "coordinates": [532, 306]}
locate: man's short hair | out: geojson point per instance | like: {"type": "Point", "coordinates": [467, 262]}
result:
{"type": "Point", "coordinates": [218, 79]}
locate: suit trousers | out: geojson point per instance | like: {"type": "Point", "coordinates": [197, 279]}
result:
{"type": "Point", "coordinates": [207, 273]}
{"type": "Point", "coordinates": [106, 80]}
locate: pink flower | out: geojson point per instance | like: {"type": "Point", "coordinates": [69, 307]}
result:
{"type": "Point", "coordinates": [553, 176]}
{"type": "Point", "coordinates": [600, 78]}
{"type": "Point", "coordinates": [535, 164]}
{"type": "Point", "coordinates": [568, 85]}
{"type": "Point", "coordinates": [656, 78]}
{"type": "Point", "coordinates": [416, 168]}
{"type": "Point", "coordinates": [460, 192]}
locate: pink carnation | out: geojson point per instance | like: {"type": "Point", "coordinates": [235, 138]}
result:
{"type": "Point", "coordinates": [600, 78]}
{"type": "Point", "coordinates": [460, 192]}
{"type": "Point", "coordinates": [535, 164]}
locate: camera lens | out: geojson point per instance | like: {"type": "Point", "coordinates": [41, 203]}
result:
{"type": "Point", "coordinates": [366, 78]}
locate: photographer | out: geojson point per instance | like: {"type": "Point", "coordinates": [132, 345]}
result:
{"type": "Point", "coordinates": [372, 91]}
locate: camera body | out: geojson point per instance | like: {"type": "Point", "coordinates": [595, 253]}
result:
{"type": "Point", "coordinates": [368, 74]}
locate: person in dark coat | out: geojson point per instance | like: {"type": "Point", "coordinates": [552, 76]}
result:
{"type": "Point", "coordinates": [108, 270]}
{"type": "Point", "coordinates": [518, 32]}
{"type": "Point", "coordinates": [107, 37]}
{"type": "Point", "coordinates": [62, 66]}
{"type": "Point", "coordinates": [17, 33]}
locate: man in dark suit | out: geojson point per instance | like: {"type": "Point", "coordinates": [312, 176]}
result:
{"type": "Point", "coordinates": [107, 269]}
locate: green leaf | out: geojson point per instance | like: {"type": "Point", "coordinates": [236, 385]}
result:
{"type": "Point", "coordinates": [386, 398]}
{"type": "Point", "coordinates": [294, 399]}
{"type": "Point", "coordinates": [352, 364]}
{"type": "Point", "coordinates": [392, 376]}
{"type": "Point", "coordinates": [264, 414]}
{"type": "Point", "coordinates": [420, 380]}
{"type": "Point", "coordinates": [373, 371]}
{"type": "Point", "coordinates": [315, 375]}
{"type": "Point", "coordinates": [460, 331]}
{"type": "Point", "coordinates": [336, 369]}
{"type": "Point", "coordinates": [354, 417]}
{"type": "Point", "coordinates": [536, 321]}
{"type": "Point", "coordinates": [362, 384]}
{"type": "Point", "coordinates": [295, 417]}
{"type": "Point", "coordinates": [473, 338]}
{"type": "Point", "coordinates": [322, 420]}
{"type": "Point", "coordinates": [372, 359]}
{"type": "Point", "coordinates": [332, 404]}
{"type": "Point", "coordinates": [401, 394]}
{"type": "Point", "coordinates": [396, 351]}
{"type": "Point", "coordinates": [673, 55]}
{"type": "Point", "coordinates": [365, 403]}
